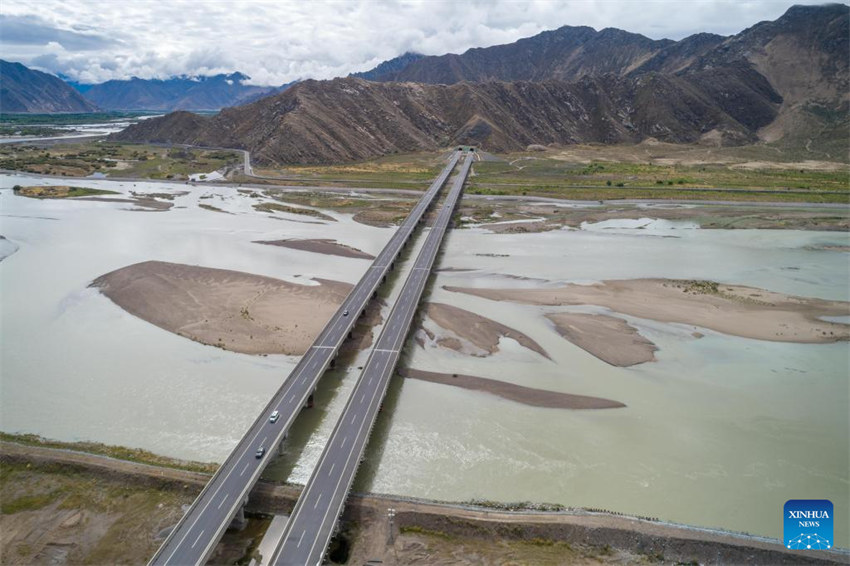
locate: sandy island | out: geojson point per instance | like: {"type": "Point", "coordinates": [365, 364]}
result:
{"type": "Point", "coordinates": [481, 332]}
{"type": "Point", "coordinates": [731, 309]}
{"type": "Point", "coordinates": [319, 246]}
{"type": "Point", "coordinates": [520, 394]}
{"type": "Point", "coordinates": [611, 339]}
{"type": "Point", "coordinates": [236, 311]}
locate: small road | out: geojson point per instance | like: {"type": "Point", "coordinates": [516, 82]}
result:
{"type": "Point", "coordinates": [194, 538]}
{"type": "Point", "coordinates": [312, 522]}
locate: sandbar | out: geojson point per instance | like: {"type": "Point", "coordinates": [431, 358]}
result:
{"type": "Point", "coordinates": [319, 246]}
{"type": "Point", "coordinates": [611, 339]}
{"type": "Point", "coordinates": [236, 311]}
{"type": "Point", "coordinates": [482, 332]}
{"type": "Point", "coordinates": [736, 310]}
{"type": "Point", "coordinates": [518, 393]}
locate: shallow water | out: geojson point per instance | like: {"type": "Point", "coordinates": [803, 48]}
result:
{"type": "Point", "coordinates": [719, 431]}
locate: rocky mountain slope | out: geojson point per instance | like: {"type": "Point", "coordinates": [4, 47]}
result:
{"type": "Point", "coordinates": [388, 68]}
{"type": "Point", "coordinates": [785, 80]}
{"type": "Point", "coordinates": [181, 93]}
{"type": "Point", "coordinates": [26, 90]}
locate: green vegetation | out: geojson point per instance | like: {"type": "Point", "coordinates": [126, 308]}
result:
{"type": "Point", "coordinates": [117, 452]}
{"type": "Point", "coordinates": [68, 119]}
{"type": "Point", "coordinates": [29, 502]}
{"type": "Point", "coordinates": [409, 171]}
{"type": "Point", "coordinates": [58, 191]}
{"type": "Point", "coordinates": [114, 159]}
{"type": "Point", "coordinates": [417, 530]}
{"type": "Point", "coordinates": [30, 131]}
{"type": "Point", "coordinates": [272, 207]}
{"type": "Point", "coordinates": [560, 178]}
{"type": "Point", "coordinates": [110, 520]}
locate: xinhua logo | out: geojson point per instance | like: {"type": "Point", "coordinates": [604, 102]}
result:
{"type": "Point", "coordinates": [808, 524]}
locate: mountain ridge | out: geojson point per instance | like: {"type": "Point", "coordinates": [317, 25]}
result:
{"type": "Point", "coordinates": [177, 93]}
{"type": "Point", "coordinates": [608, 87]}
{"type": "Point", "coordinates": [25, 90]}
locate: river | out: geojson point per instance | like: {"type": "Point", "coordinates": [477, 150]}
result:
{"type": "Point", "coordinates": [719, 432]}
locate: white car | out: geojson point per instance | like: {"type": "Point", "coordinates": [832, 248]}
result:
{"type": "Point", "coordinates": [274, 416]}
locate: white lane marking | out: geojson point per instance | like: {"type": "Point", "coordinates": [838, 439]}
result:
{"type": "Point", "coordinates": [352, 419]}
{"type": "Point", "coordinates": [333, 464]}
{"type": "Point", "coordinates": [223, 499]}
{"type": "Point", "coordinates": [243, 469]}
{"type": "Point", "coordinates": [199, 538]}
{"type": "Point", "coordinates": [316, 504]}
{"type": "Point", "coordinates": [292, 398]}
{"type": "Point", "coordinates": [301, 538]}
{"type": "Point", "coordinates": [362, 398]}
{"type": "Point", "coordinates": [293, 519]}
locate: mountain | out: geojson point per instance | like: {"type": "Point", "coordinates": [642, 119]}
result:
{"type": "Point", "coordinates": [25, 90]}
{"type": "Point", "coordinates": [785, 80]}
{"type": "Point", "coordinates": [390, 67]}
{"type": "Point", "coordinates": [181, 93]}
{"type": "Point", "coordinates": [567, 53]}
{"type": "Point", "coordinates": [805, 56]}
{"type": "Point", "coordinates": [352, 119]}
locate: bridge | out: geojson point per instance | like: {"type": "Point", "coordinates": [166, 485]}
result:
{"type": "Point", "coordinates": [194, 538]}
{"type": "Point", "coordinates": [312, 523]}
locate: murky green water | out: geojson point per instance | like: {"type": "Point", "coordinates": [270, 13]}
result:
{"type": "Point", "coordinates": [719, 431]}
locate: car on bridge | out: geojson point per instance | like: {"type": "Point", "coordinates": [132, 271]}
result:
{"type": "Point", "coordinates": [260, 451]}
{"type": "Point", "coordinates": [274, 416]}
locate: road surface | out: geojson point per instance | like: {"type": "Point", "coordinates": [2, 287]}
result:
{"type": "Point", "coordinates": [312, 522]}
{"type": "Point", "coordinates": [196, 535]}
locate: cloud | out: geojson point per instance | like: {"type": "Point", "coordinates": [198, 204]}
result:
{"type": "Point", "coordinates": [32, 30]}
{"type": "Point", "coordinates": [275, 42]}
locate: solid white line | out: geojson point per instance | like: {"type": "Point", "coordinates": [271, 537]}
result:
{"type": "Point", "coordinates": [435, 187]}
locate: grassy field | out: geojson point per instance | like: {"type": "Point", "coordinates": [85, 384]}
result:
{"type": "Point", "coordinates": [409, 171]}
{"type": "Point", "coordinates": [604, 180]}
{"type": "Point", "coordinates": [114, 159]}
{"type": "Point", "coordinates": [659, 171]}
{"type": "Point", "coordinates": [58, 191]}
{"type": "Point", "coordinates": [118, 452]}
{"type": "Point", "coordinates": [759, 173]}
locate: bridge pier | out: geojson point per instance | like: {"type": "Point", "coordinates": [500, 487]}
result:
{"type": "Point", "coordinates": [239, 521]}
{"type": "Point", "coordinates": [310, 402]}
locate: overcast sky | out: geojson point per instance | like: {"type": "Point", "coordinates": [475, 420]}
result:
{"type": "Point", "coordinates": [279, 41]}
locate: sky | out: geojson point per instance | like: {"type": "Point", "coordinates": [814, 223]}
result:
{"type": "Point", "coordinates": [276, 42]}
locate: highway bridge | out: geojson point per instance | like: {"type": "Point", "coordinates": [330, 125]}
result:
{"type": "Point", "coordinates": [194, 538]}
{"type": "Point", "coordinates": [314, 518]}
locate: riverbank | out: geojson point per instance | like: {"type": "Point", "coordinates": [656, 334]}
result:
{"type": "Point", "coordinates": [72, 507]}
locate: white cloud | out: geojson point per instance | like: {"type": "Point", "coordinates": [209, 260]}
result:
{"type": "Point", "coordinates": [276, 42]}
